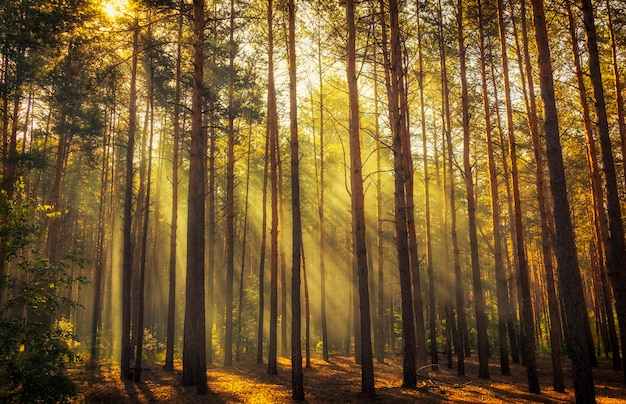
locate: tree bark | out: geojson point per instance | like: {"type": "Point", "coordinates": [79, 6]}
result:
{"type": "Point", "coordinates": [127, 257]}
{"type": "Point", "coordinates": [358, 210]}
{"type": "Point", "coordinates": [194, 343]}
{"type": "Point", "coordinates": [297, 377]}
{"type": "Point", "coordinates": [501, 289]}
{"type": "Point", "coordinates": [479, 304]}
{"type": "Point", "coordinates": [272, 127]}
{"type": "Point", "coordinates": [616, 267]}
{"type": "Point", "coordinates": [569, 273]}
{"type": "Point", "coordinates": [171, 303]}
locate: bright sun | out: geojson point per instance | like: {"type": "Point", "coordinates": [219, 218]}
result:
{"type": "Point", "coordinates": [114, 8]}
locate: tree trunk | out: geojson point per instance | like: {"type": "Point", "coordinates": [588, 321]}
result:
{"type": "Point", "coordinates": [144, 233]}
{"type": "Point", "coordinates": [297, 377]}
{"type": "Point", "coordinates": [272, 127]}
{"type": "Point", "coordinates": [501, 289]}
{"type": "Point", "coordinates": [127, 257]}
{"type": "Point", "coordinates": [409, 379]}
{"type": "Point", "coordinates": [230, 197]}
{"type": "Point", "coordinates": [569, 273]}
{"type": "Point", "coordinates": [547, 224]}
{"type": "Point", "coordinates": [260, 325]}
{"type": "Point", "coordinates": [171, 303]}
{"type": "Point", "coordinates": [479, 304]}
{"type": "Point", "coordinates": [243, 249]}
{"type": "Point", "coordinates": [617, 265]}
{"type": "Point", "coordinates": [529, 319]}
{"type": "Point", "coordinates": [194, 343]}
{"type": "Point", "coordinates": [432, 304]}
{"type": "Point", "coordinates": [358, 210]}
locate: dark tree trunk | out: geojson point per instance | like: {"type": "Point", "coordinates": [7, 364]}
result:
{"type": "Point", "coordinates": [297, 377]}
{"type": "Point", "coordinates": [194, 343]}
{"type": "Point", "coordinates": [616, 266]}
{"type": "Point", "coordinates": [171, 303]}
{"type": "Point", "coordinates": [569, 274]}
{"type": "Point", "coordinates": [501, 288]}
{"type": "Point", "coordinates": [272, 128]}
{"type": "Point", "coordinates": [127, 257]}
{"type": "Point", "coordinates": [230, 197]}
{"type": "Point", "coordinates": [479, 303]}
{"type": "Point", "coordinates": [358, 211]}
{"type": "Point", "coordinates": [547, 224]}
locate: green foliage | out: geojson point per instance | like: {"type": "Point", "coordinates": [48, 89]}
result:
{"type": "Point", "coordinates": [34, 351]}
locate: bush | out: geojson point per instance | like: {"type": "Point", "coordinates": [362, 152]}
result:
{"type": "Point", "coordinates": [34, 350]}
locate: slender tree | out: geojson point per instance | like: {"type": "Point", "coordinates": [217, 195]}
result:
{"type": "Point", "coordinates": [527, 308]}
{"type": "Point", "coordinates": [297, 377]}
{"type": "Point", "coordinates": [479, 303]}
{"type": "Point", "coordinates": [230, 195]}
{"type": "Point", "coordinates": [358, 210]}
{"type": "Point", "coordinates": [127, 257]}
{"type": "Point", "coordinates": [171, 302]}
{"type": "Point", "coordinates": [272, 132]}
{"type": "Point", "coordinates": [501, 289]}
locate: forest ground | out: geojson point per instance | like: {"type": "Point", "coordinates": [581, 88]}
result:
{"type": "Point", "coordinates": [339, 382]}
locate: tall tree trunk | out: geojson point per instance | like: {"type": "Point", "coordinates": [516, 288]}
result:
{"type": "Point", "coordinates": [321, 188]}
{"type": "Point", "coordinates": [144, 233]}
{"type": "Point", "coordinates": [479, 303]}
{"type": "Point", "coordinates": [358, 210]}
{"type": "Point", "coordinates": [260, 324]}
{"type": "Point", "coordinates": [272, 128]}
{"type": "Point", "coordinates": [547, 223]}
{"type": "Point", "coordinates": [380, 235]}
{"type": "Point", "coordinates": [569, 274]}
{"type": "Point", "coordinates": [211, 193]}
{"type": "Point", "coordinates": [230, 196]}
{"type": "Point", "coordinates": [243, 248]}
{"type": "Point", "coordinates": [194, 343]}
{"type": "Point", "coordinates": [100, 250]}
{"type": "Point", "coordinates": [445, 124]}
{"type": "Point", "coordinates": [171, 303]}
{"type": "Point", "coordinates": [297, 377]}
{"type": "Point", "coordinates": [616, 267]}
{"type": "Point", "coordinates": [501, 288]}
{"type": "Point", "coordinates": [619, 96]}
{"type": "Point", "coordinates": [409, 379]}
{"type": "Point", "coordinates": [600, 220]}
{"type": "Point", "coordinates": [127, 257]}
{"type": "Point", "coordinates": [459, 290]}
{"type": "Point", "coordinates": [527, 308]}
{"type": "Point", "coordinates": [307, 312]}
{"type": "Point", "coordinates": [432, 304]}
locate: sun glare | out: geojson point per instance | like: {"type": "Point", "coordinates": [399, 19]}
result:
{"type": "Point", "coordinates": [114, 8]}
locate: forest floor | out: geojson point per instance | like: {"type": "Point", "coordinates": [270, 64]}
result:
{"type": "Point", "coordinates": [339, 382]}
